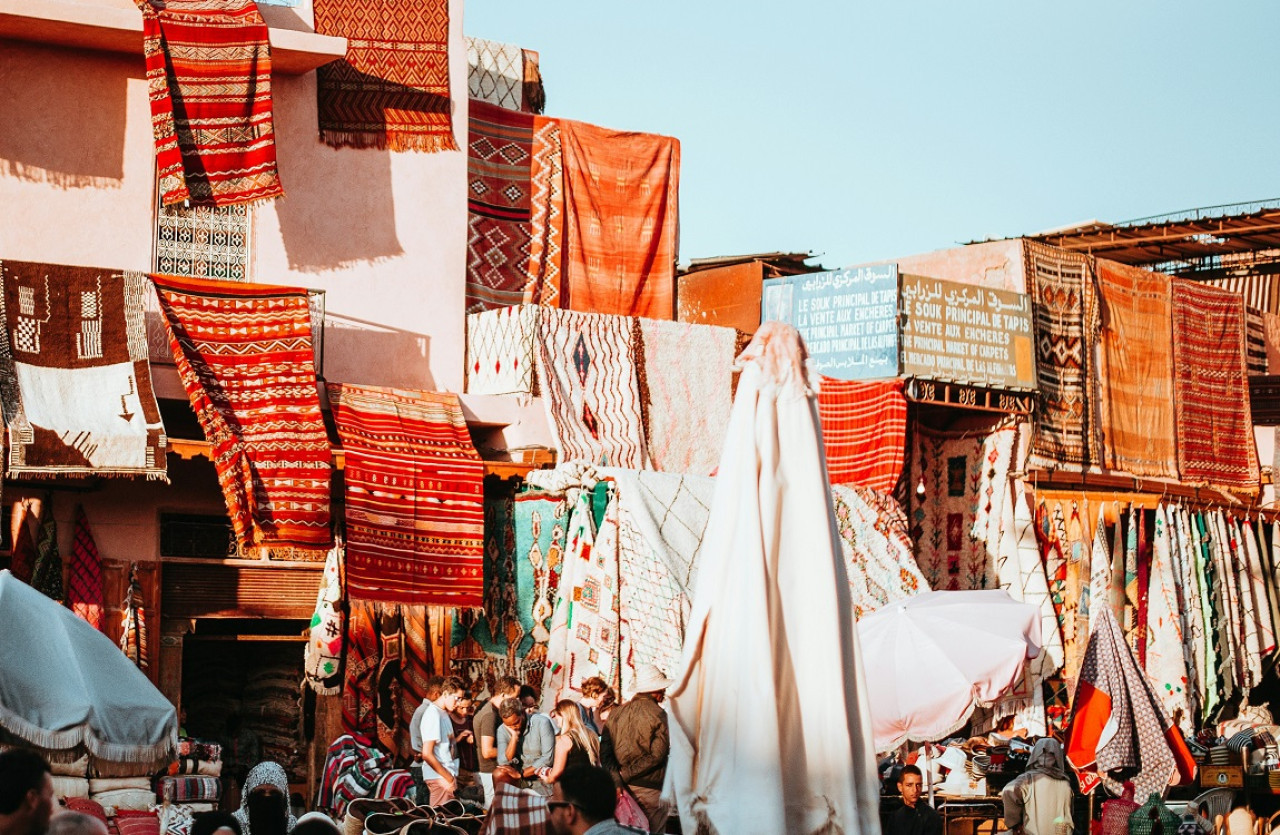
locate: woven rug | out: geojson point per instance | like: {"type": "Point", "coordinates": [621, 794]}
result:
{"type": "Point", "coordinates": [46, 576]}
{"type": "Point", "coordinates": [495, 73]}
{"type": "Point", "coordinates": [864, 429]}
{"type": "Point", "coordinates": [546, 219]}
{"type": "Point", "coordinates": [392, 88]}
{"type": "Point", "coordinates": [209, 77]}
{"type": "Point", "coordinates": [661, 518]}
{"type": "Point", "coordinates": [204, 241]}
{"type": "Point", "coordinates": [1137, 371]}
{"type": "Point", "coordinates": [134, 638]}
{"type": "Point", "coordinates": [877, 548]}
{"type": "Point", "coordinates": [956, 523]}
{"type": "Point", "coordinates": [1258, 573]}
{"type": "Point", "coordinates": [22, 559]}
{"type": "Point", "coordinates": [1211, 388]}
{"type": "Point", "coordinates": [620, 207]}
{"type": "Point", "coordinates": [1021, 571]}
{"type": "Point", "coordinates": [1187, 611]}
{"type": "Point", "coordinates": [1166, 663]}
{"type": "Point", "coordinates": [686, 404]}
{"type": "Point", "coordinates": [417, 665]}
{"type": "Point", "coordinates": [273, 462]}
{"type": "Point", "coordinates": [414, 497]}
{"type": "Point", "coordinates": [500, 350]}
{"type": "Point", "coordinates": [76, 337]}
{"type": "Point", "coordinates": [1256, 356]}
{"type": "Point", "coordinates": [542, 529]}
{"type": "Point", "coordinates": [587, 376]}
{"type": "Point", "coordinates": [322, 670]}
{"type": "Point", "coordinates": [360, 670]}
{"type": "Point", "coordinates": [86, 593]}
{"type": "Point", "coordinates": [499, 158]}
{"type": "Point", "coordinates": [1067, 322]}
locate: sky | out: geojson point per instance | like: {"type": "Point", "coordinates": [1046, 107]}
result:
{"type": "Point", "coordinates": [867, 131]}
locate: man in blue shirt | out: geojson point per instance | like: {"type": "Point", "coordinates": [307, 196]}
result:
{"type": "Point", "coordinates": [582, 803]}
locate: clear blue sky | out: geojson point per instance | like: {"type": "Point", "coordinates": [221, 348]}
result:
{"type": "Point", "coordinates": [866, 131]}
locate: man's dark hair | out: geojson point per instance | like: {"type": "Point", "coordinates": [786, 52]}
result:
{"type": "Point", "coordinates": [207, 823]}
{"type": "Point", "coordinates": [510, 707]}
{"type": "Point", "coordinates": [592, 790]}
{"type": "Point", "coordinates": [451, 685]}
{"type": "Point", "coordinates": [21, 770]}
{"type": "Point", "coordinates": [910, 769]}
{"type": "Point", "coordinates": [506, 686]}
{"type": "Point", "coordinates": [434, 685]}
{"type": "Point", "coordinates": [528, 691]}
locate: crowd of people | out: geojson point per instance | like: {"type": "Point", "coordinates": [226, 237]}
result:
{"type": "Point", "coordinates": [593, 760]}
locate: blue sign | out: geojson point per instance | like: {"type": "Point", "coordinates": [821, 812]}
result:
{"type": "Point", "coordinates": [848, 318]}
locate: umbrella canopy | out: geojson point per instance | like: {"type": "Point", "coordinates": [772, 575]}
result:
{"type": "Point", "coordinates": [1118, 729]}
{"type": "Point", "coordinates": [939, 655]}
{"type": "Point", "coordinates": [769, 730]}
{"type": "Point", "coordinates": [67, 689]}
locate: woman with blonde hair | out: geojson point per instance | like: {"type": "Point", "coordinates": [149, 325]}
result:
{"type": "Point", "coordinates": [575, 744]}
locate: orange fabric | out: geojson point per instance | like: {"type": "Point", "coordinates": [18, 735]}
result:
{"type": "Point", "coordinates": [620, 194]}
{"type": "Point", "coordinates": [1089, 715]}
{"type": "Point", "coordinates": [1181, 755]}
{"type": "Point", "coordinates": [1137, 376]}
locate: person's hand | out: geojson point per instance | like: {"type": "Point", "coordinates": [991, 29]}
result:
{"type": "Point", "coordinates": [466, 736]}
{"type": "Point", "coordinates": [544, 772]}
{"type": "Point", "coordinates": [451, 784]}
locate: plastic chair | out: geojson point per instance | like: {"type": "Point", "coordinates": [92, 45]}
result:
{"type": "Point", "coordinates": [1215, 804]}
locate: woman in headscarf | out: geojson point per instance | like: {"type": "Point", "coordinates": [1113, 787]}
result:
{"type": "Point", "coordinates": [264, 807]}
{"type": "Point", "coordinates": [1038, 802]}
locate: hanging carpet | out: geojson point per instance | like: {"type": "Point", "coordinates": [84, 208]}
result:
{"type": "Point", "coordinates": [1211, 388]}
{"type": "Point", "coordinates": [75, 376]}
{"type": "Point", "coordinates": [1066, 321]}
{"type": "Point", "coordinates": [86, 592]}
{"type": "Point", "coordinates": [501, 350]}
{"type": "Point", "coordinates": [322, 670]}
{"type": "Point", "coordinates": [392, 88]}
{"type": "Point", "coordinates": [360, 670]}
{"type": "Point", "coordinates": [270, 447]}
{"type": "Point", "coordinates": [587, 376]}
{"type": "Point", "coordinates": [414, 497]}
{"type": "Point", "coordinates": [620, 200]}
{"type": "Point", "coordinates": [547, 218]}
{"type": "Point", "coordinates": [864, 429]}
{"type": "Point", "coordinates": [46, 577]}
{"type": "Point", "coordinates": [495, 73]}
{"type": "Point", "coordinates": [1137, 371]}
{"type": "Point", "coordinates": [686, 401]}
{"type": "Point", "coordinates": [499, 157]}
{"type": "Point", "coordinates": [877, 548]}
{"type": "Point", "coordinates": [209, 77]}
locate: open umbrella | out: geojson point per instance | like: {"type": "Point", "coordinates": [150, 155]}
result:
{"type": "Point", "coordinates": [939, 655]}
{"type": "Point", "coordinates": [68, 690]}
{"type": "Point", "coordinates": [769, 730]}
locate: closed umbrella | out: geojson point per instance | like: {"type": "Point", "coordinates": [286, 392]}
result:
{"type": "Point", "coordinates": [769, 730]}
{"type": "Point", "coordinates": [68, 690]}
{"type": "Point", "coordinates": [939, 655]}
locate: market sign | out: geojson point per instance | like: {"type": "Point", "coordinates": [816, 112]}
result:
{"type": "Point", "coordinates": [848, 318]}
{"type": "Point", "coordinates": [961, 333]}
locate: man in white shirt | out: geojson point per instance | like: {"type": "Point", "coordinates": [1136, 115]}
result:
{"type": "Point", "coordinates": [439, 763]}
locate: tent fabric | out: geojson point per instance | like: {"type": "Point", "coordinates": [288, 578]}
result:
{"type": "Point", "coordinates": [771, 547]}
{"type": "Point", "coordinates": [68, 690]}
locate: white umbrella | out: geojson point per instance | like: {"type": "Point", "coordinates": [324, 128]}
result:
{"type": "Point", "coordinates": [937, 656]}
{"type": "Point", "coordinates": [769, 733]}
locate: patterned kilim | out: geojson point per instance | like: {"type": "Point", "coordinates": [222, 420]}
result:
{"type": "Point", "coordinates": [1067, 322]}
{"type": "Point", "coordinates": [204, 241]}
{"type": "Point", "coordinates": [209, 74]}
{"type": "Point", "coordinates": [322, 668]}
{"type": "Point", "coordinates": [392, 88]}
{"type": "Point", "coordinates": [877, 548]}
{"type": "Point", "coordinates": [269, 442]}
{"type": "Point", "coordinates": [499, 156]}
{"type": "Point", "coordinates": [1166, 661]}
{"type": "Point", "coordinates": [77, 348]}
{"type": "Point", "coordinates": [546, 220]}
{"type": "Point", "coordinates": [620, 197]}
{"type": "Point", "coordinates": [360, 670]}
{"type": "Point", "coordinates": [1255, 340]}
{"type": "Point", "coordinates": [133, 624]}
{"type": "Point", "coordinates": [1211, 388]}
{"type": "Point", "coordinates": [415, 497]}
{"type": "Point", "coordinates": [22, 559]}
{"type": "Point", "coordinates": [864, 429]}
{"type": "Point", "coordinates": [686, 404]}
{"type": "Point", "coordinates": [500, 350]}
{"type": "Point", "coordinates": [587, 376]}
{"type": "Point", "coordinates": [957, 523]}
{"type": "Point", "coordinates": [1137, 372]}
{"type": "Point", "coordinates": [415, 669]}
{"type": "Point", "coordinates": [86, 593]}
{"type": "Point", "coordinates": [495, 73]}
{"type": "Point", "coordinates": [387, 697]}
{"type": "Point", "coordinates": [46, 577]}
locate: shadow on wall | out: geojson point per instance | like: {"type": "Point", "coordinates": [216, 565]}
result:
{"type": "Point", "coordinates": [338, 208]}
{"type": "Point", "coordinates": [366, 353]}
{"type": "Point", "coordinates": [64, 115]}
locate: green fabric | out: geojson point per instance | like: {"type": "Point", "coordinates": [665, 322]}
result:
{"type": "Point", "coordinates": [1142, 820]}
{"type": "Point", "coordinates": [47, 576]}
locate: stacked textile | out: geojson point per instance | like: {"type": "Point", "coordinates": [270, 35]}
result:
{"type": "Point", "coordinates": [189, 789]}
{"type": "Point", "coordinates": [209, 74]}
{"type": "Point", "coordinates": [270, 447]}
{"type": "Point", "coordinates": [77, 335]}
{"type": "Point", "coordinates": [352, 767]}
{"type": "Point", "coordinates": [129, 793]}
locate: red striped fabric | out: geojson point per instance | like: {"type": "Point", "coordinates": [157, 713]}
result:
{"type": "Point", "coordinates": [209, 76]}
{"type": "Point", "coordinates": [245, 357]}
{"type": "Point", "coordinates": [414, 497]}
{"type": "Point", "coordinates": [86, 592]}
{"type": "Point", "coordinates": [864, 427]}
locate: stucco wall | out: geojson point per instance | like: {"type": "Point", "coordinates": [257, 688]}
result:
{"type": "Point", "coordinates": [997, 264]}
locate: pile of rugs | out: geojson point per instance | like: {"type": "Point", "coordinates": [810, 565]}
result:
{"type": "Point", "coordinates": [193, 784]}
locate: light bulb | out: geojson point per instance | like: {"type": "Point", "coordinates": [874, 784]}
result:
{"type": "Point", "coordinates": [920, 487]}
